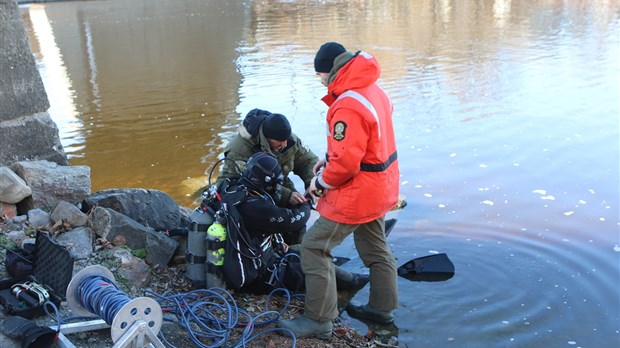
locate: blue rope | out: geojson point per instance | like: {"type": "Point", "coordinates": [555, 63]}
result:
{"type": "Point", "coordinates": [211, 315]}
{"type": "Point", "coordinates": [99, 295]}
{"type": "Point", "coordinates": [54, 314]}
{"type": "Point", "coordinates": [279, 271]}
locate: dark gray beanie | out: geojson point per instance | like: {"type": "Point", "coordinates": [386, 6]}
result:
{"type": "Point", "coordinates": [276, 127]}
{"type": "Point", "coordinates": [324, 59]}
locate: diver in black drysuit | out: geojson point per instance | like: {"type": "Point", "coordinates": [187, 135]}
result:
{"type": "Point", "coordinates": [262, 218]}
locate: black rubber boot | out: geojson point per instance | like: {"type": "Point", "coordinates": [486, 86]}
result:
{"type": "Point", "coordinates": [31, 335]}
{"type": "Point", "coordinates": [368, 313]}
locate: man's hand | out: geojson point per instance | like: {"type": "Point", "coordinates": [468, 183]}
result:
{"type": "Point", "coordinates": [297, 198]}
{"type": "Point", "coordinates": [318, 166]}
{"type": "Point", "coordinates": [313, 192]}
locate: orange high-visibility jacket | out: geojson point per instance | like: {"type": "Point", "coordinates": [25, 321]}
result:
{"type": "Point", "coordinates": [361, 175]}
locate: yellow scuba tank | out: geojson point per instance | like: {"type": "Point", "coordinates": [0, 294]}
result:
{"type": "Point", "coordinates": [216, 241]}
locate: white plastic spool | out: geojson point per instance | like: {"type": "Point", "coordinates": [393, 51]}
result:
{"type": "Point", "coordinates": [145, 309]}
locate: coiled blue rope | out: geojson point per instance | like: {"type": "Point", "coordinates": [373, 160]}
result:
{"type": "Point", "coordinates": [210, 315]}
{"type": "Point", "coordinates": [99, 295]}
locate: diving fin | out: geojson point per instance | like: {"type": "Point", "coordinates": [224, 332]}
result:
{"type": "Point", "coordinates": [339, 260]}
{"type": "Point", "coordinates": [431, 268]}
{"type": "Point", "coordinates": [389, 225]}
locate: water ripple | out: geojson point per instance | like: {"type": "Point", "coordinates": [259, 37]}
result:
{"type": "Point", "coordinates": [509, 286]}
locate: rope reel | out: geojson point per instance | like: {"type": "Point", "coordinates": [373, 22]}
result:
{"type": "Point", "coordinates": [93, 291]}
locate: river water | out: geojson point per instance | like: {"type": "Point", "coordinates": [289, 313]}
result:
{"type": "Point", "coordinates": [507, 122]}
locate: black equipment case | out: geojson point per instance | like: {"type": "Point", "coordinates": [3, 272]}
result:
{"type": "Point", "coordinates": [52, 267]}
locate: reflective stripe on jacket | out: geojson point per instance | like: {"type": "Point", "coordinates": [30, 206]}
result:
{"type": "Point", "coordinates": [362, 173]}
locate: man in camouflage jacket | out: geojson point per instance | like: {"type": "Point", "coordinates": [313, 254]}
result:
{"type": "Point", "coordinates": [271, 133]}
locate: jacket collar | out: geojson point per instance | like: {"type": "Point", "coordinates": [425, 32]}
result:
{"type": "Point", "coordinates": [351, 72]}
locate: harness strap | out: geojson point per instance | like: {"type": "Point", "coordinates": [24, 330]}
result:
{"type": "Point", "coordinates": [375, 167]}
{"type": "Point", "coordinates": [217, 270]}
{"type": "Point", "coordinates": [193, 259]}
{"type": "Point", "coordinates": [215, 245]}
{"type": "Point", "coordinates": [378, 167]}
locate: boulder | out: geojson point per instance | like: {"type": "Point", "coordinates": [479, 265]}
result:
{"type": "Point", "coordinates": [151, 208]}
{"type": "Point", "coordinates": [79, 241]}
{"type": "Point", "coordinates": [68, 212]}
{"type": "Point", "coordinates": [114, 226]}
{"type": "Point", "coordinates": [13, 189]}
{"type": "Point", "coordinates": [39, 219]}
{"type": "Point", "coordinates": [160, 248]}
{"type": "Point", "coordinates": [133, 269]}
{"type": "Point", "coordinates": [108, 224]}
{"type": "Point", "coordinates": [51, 183]}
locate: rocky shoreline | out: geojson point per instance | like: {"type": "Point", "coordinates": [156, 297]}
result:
{"type": "Point", "coordinates": [125, 231]}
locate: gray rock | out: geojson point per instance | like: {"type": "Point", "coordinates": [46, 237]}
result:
{"type": "Point", "coordinates": [185, 213]}
{"type": "Point", "coordinates": [160, 248]}
{"type": "Point", "coordinates": [123, 230]}
{"type": "Point", "coordinates": [38, 218]}
{"type": "Point", "coordinates": [152, 208]}
{"type": "Point", "coordinates": [32, 138]}
{"type": "Point", "coordinates": [13, 189]}
{"type": "Point", "coordinates": [17, 236]}
{"type": "Point", "coordinates": [51, 183]}
{"type": "Point", "coordinates": [69, 213]}
{"type": "Point", "coordinates": [182, 242]}
{"type": "Point", "coordinates": [19, 220]}
{"type": "Point", "coordinates": [133, 269]}
{"type": "Point", "coordinates": [109, 224]}
{"type": "Point", "coordinates": [79, 241]}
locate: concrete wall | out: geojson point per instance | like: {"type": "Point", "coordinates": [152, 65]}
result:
{"type": "Point", "coordinates": [26, 130]}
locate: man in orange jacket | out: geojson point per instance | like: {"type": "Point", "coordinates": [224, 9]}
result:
{"type": "Point", "coordinates": [358, 184]}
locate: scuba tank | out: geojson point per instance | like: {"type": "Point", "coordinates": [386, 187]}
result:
{"type": "Point", "coordinates": [196, 255]}
{"type": "Point", "coordinates": [216, 243]}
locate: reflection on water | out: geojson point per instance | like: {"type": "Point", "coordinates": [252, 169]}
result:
{"type": "Point", "coordinates": [155, 86]}
{"type": "Point", "coordinates": [506, 116]}
{"type": "Point", "coordinates": [54, 73]}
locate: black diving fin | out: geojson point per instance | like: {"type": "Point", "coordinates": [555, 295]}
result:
{"type": "Point", "coordinates": [431, 268]}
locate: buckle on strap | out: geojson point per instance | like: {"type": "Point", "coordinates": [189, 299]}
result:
{"type": "Point", "coordinates": [273, 278]}
{"type": "Point", "coordinates": [33, 289]}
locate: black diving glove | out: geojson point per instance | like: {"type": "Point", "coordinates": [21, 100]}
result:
{"type": "Point", "coordinates": [31, 334]}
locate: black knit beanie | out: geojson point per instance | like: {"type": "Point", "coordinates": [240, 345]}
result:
{"type": "Point", "coordinates": [324, 59]}
{"type": "Point", "coordinates": [276, 127]}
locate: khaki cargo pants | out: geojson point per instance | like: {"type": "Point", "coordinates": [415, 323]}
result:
{"type": "Point", "coordinates": [316, 262]}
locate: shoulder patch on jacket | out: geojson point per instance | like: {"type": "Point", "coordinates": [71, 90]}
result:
{"type": "Point", "coordinates": [339, 130]}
